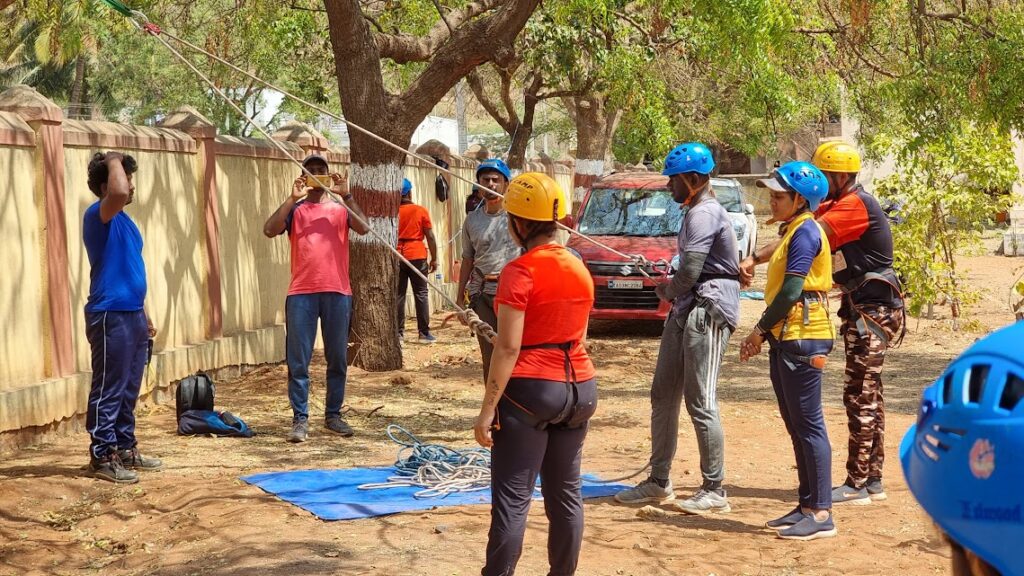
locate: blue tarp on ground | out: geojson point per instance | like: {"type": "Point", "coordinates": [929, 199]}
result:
{"type": "Point", "coordinates": [333, 494]}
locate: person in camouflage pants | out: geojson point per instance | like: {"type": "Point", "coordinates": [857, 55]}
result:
{"type": "Point", "coordinates": [873, 314]}
{"type": "Point", "coordinates": [863, 393]}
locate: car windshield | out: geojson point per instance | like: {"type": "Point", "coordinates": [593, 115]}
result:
{"type": "Point", "coordinates": [630, 212]}
{"type": "Point", "coordinates": [730, 197]}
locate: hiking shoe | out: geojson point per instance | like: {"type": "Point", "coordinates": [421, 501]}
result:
{"type": "Point", "coordinates": [300, 429]}
{"type": "Point", "coordinates": [875, 490]}
{"type": "Point", "coordinates": [111, 469]}
{"type": "Point", "coordinates": [133, 459]}
{"type": "Point", "coordinates": [846, 494]}
{"type": "Point", "coordinates": [427, 339]}
{"type": "Point", "coordinates": [786, 521]}
{"type": "Point", "coordinates": [337, 425]}
{"type": "Point", "coordinates": [646, 491]}
{"type": "Point", "coordinates": [809, 529]}
{"type": "Point", "coordinates": [705, 502]}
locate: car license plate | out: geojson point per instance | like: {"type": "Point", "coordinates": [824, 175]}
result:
{"type": "Point", "coordinates": [626, 284]}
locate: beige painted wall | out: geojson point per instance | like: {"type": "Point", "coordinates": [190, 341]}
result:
{"type": "Point", "coordinates": [167, 209]}
{"type": "Point", "coordinates": [21, 284]}
{"type": "Point", "coordinates": [255, 269]}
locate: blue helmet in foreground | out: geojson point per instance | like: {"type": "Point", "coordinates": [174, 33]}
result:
{"type": "Point", "coordinates": [803, 178]}
{"type": "Point", "coordinates": [963, 459]}
{"type": "Point", "coordinates": [689, 157]}
{"type": "Point", "coordinates": [495, 164]}
{"type": "Point", "coordinates": [406, 187]}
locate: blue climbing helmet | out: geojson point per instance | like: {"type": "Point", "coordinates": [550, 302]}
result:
{"type": "Point", "coordinates": [495, 164]}
{"type": "Point", "coordinates": [689, 157]}
{"type": "Point", "coordinates": [962, 460]}
{"type": "Point", "coordinates": [803, 178]}
{"type": "Point", "coordinates": [406, 187]}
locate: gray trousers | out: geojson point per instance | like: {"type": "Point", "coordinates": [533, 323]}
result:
{"type": "Point", "coordinates": [692, 346]}
{"type": "Point", "coordinates": [483, 305]}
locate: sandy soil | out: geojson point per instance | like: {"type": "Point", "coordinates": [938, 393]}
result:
{"type": "Point", "coordinates": [196, 517]}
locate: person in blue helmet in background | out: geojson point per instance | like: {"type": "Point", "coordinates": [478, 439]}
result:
{"type": "Point", "coordinates": [705, 312]}
{"type": "Point", "coordinates": [962, 459]}
{"type": "Point", "coordinates": [413, 228]}
{"type": "Point", "coordinates": [487, 246]}
{"type": "Point", "coordinates": [797, 327]}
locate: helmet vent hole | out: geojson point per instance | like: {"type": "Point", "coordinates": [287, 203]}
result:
{"type": "Point", "coordinates": [1012, 392]}
{"type": "Point", "coordinates": [947, 389]}
{"type": "Point", "coordinates": [929, 452]}
{"type": "Point", "coordinates": [976, 383]}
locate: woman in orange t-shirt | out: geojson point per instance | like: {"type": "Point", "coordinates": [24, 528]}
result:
{"type": "Point", "coordinates": [541, 390]}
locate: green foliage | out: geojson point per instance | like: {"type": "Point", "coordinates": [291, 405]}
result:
{"type": "Point", "coordinates": [947, 192]}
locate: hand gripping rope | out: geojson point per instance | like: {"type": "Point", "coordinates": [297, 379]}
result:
{"type": "Point", "coordinates": [142, 22]}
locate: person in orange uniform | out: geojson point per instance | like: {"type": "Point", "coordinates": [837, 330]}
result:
{"type": "Point", "coordinates": [541, 389]}
{"type": "Point", "coordinates": [413, 227]}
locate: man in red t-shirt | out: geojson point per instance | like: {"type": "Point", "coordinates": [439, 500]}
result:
{"type": "Point", "coordinates": [413, 227]}
{"type": "Point", "coordinates": [317, 223]}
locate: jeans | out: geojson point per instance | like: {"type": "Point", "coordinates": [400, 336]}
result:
{"type": "Point", "coordinates": [419, 292]}
{"type": "Point", "coordinates": [334, 310]}
{"type": "Point", "coordinates": [798, 389]}
{"type": "Point", "coordinates": [119, 342]}
{"type": "Point", "coordinates": [692, 346]}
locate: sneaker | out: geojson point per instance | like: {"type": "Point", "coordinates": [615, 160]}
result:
{"type": "Point", "coordinates": [337, 425]}
{"type": "Point", "coordinates": [132, 458]}
{"type": "Point", "coordinates": [875, 490]}
{"type": "Point", "coordinates": [809, 529]}
{"type": "Point", "coordinates": [846, 494]}
{"type": "Point", "coordinates": [427, 339]}
{"type": "Point", "coordinates": [786, 521]}
{"type": "Point", "coordinates": [647, 491]}
{"type": "Point", "coordinates": [300, 429]}
{"type": "Point", "coordinates": [705, 502]}
{"type": "Point", "coordinates": [111, 469]}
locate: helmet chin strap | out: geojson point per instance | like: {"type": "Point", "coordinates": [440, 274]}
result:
{"type": "Point", "coordinates": [691, 192]}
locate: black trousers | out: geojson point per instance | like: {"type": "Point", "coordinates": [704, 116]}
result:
{"type": "Point", "coordinates": [419, 292]}
{"type": "Point", "coordinates": [519, 454]}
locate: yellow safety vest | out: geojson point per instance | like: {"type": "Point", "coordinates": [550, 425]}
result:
{"type": "Point", "coordinates": [818, 325]}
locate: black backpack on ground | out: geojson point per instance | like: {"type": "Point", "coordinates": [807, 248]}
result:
{"type": "Point", "coordinates": [194, 393]}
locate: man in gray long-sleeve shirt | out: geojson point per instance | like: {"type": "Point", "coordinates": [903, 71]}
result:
{"type": "Point", "coordinates": [705, 312]}
{"type": "Point", "coordinates": [487, 247]}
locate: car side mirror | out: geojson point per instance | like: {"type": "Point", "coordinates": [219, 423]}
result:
{"type": "Point", "coordinates": [569, 221]}
{"type": "Point", "coordinates": [749, 208]}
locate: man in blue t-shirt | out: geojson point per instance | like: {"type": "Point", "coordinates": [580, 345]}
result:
{"type": "Point", "coordinates": [116, 323]}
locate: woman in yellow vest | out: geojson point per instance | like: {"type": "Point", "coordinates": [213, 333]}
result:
{"type": "Point", "coordinates": [797, 327]}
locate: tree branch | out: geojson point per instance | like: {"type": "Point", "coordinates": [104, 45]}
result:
{"type": "Point", "coordinates": [476, 85]}
{"type": "Point", "coordinates": [404, 48]}
{"type": "Point", "coordinates": [472, 43]}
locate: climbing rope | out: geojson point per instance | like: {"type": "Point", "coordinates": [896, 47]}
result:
{"type": "Point", "coordinates": [142, 22]}
{"type": "Point", "coordinates": [435, 469]}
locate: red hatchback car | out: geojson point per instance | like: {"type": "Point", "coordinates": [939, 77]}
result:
{"type": "Point", "coordinates": [634, 213]}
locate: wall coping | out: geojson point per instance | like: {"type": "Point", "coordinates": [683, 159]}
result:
{"type": "Point", "coordinates": [15, 132]}
{"type": "Point", "coordinates": [255, 148]}
{"type": "Point", "coordinates": [97, 134]}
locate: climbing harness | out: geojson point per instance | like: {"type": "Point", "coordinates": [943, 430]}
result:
{"type": "Point", "coordinates": [436, 469]}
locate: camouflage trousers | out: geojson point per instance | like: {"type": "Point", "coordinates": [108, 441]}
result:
{"type": "Point", "coordinates": [862, 392]}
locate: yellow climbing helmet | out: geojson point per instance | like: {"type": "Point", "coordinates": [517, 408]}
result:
{"type": "Point", "coordinates": [836, 157]}
{"type": "Point", "coordinates": [536, 196]}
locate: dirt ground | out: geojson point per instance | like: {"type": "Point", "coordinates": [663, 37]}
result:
{"type": "Point", "coordinates": [196, 517]}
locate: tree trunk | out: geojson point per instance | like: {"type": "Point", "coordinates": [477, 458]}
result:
{"type": "Point", "coordinates": [377, 169]}
{"type": "Point", "coordinates": [76, 105]}
{"type": "Point", "coordinates": [595, 125]}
